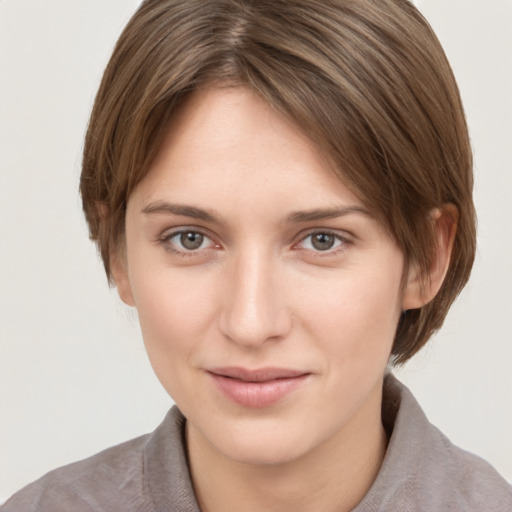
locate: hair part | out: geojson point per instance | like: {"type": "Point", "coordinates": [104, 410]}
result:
{"type": "Point", "coordinates": [367, 80]}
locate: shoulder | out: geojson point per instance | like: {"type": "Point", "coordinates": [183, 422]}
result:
{"type": "Point", "coordinates": [460, 479]}
{"type": "Point", "coordinates": [423, 470]}
{"type": "Point", "coordinates": [475, 484]}
{"type": "Point", "coordinates": [102, 482]}
{"type": "Point", "coordinates": [147, 474]}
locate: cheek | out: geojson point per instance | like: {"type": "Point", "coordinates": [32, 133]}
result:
{"type": "Point", "coordinates": [354, 314]}
{"type": "Point", "coordinates": [175, 315]}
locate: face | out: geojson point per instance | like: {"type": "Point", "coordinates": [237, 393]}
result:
{"type": "Point", "coordinates": [267, 294]}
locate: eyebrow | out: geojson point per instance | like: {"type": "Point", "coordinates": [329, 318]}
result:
{"type": "Point", "coordinates": [181, 209]}
{"type": "Point", "coordinates": [324, 214]}
{"type": "Point", "coordinates": [301, 216]}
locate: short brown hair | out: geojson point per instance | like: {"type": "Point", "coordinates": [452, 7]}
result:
{"type": "Point", "coordinates": [365, 79]}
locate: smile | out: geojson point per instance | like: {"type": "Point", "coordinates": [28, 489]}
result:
{"type": "Point", "coordinates": [257, 388]}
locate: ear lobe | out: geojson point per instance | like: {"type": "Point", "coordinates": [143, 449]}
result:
{"type": "Point", "coordinates": [420, 290]}
{"type": "Point", "coordinates": [119, 269]}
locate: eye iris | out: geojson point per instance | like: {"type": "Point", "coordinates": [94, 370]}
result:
{"type": "Point", "coordinates": [322, 241]}
{"type": "Point", "coordinates": [191, 240]}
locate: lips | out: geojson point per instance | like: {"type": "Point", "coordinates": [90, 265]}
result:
{"type": "Point", "coordinates": [257, 388]}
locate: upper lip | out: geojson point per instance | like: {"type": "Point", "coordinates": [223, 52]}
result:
{"type": "Point", "coordinates": [257, 375]}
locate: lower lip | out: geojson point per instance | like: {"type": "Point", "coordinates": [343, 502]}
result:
{"type": "Point", "coordinates": [257, 394]}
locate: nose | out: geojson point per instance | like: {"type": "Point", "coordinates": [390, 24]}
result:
{"type": "Point", "coordinates": [254, 309]}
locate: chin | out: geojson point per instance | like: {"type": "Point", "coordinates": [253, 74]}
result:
{"type": "Point", "coordinates": [261, 441]}
{"type": "Point", "coordinates": [265, 452]}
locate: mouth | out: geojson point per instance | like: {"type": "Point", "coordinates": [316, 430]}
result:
{"type": "Point", "coordinates": [257, 388]}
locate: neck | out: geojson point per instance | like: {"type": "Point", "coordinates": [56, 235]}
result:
{"type": "Point", "coordinates": [334, 476]}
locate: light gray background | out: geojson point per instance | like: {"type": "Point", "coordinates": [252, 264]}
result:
{"type": "Point", "coordinates": [73, 373]}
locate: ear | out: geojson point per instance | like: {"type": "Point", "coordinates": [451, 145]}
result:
{"type": "Point", "coordinates": [119, 270]}
{"type": "Point", "coordinates": [420, 290]}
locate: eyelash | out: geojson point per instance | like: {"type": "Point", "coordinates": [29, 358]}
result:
{"type": "Point", "coordinates": [166, 241]}
{"type": "Point", "coordinates": [341, 242]}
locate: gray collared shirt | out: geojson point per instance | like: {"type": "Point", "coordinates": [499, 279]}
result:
{"type": "Point", "coordinates": [422, 471]}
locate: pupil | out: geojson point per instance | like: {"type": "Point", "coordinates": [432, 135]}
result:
{"type": "Point", "coordinates": [191, 240]}
{"type": "Point", "coordinates": [323, 241]}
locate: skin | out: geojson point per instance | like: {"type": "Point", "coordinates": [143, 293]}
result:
{"type": "Point", "coordinates": [258, 293]}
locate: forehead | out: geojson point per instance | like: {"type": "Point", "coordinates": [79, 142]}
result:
{"type": "Point", "coordinates": [230, 141]}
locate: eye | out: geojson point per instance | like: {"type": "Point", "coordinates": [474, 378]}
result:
{"type": "Point", "coordinates": [187, 241]}
{"type": "Point", "coordinates": [322, 241]}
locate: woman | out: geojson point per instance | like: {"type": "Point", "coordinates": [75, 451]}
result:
{"type": "Point", "coordinates": [283, 192]}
